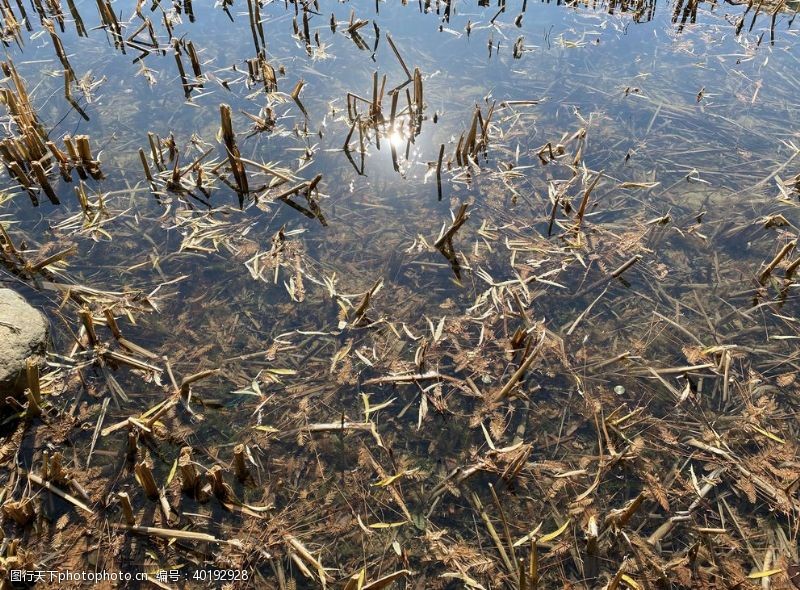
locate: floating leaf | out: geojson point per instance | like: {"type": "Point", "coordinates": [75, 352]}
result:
{"type": "Point", "coordinates": [172, 472]}
{"type": "Point", "coordinates": [392, 478]}
{"type": "Point", "coordinates": [630, 581]}
{"type": "Point", "coordinates": [769, 435]}
{"type": "Point", "coordinates": [764, 574]}
{"type": "Point", "coordinates": [282, 371]}
{"type": "Point", "coordinates": [550, 536]}
{"type": "Point", "coordinates": [386, 525]}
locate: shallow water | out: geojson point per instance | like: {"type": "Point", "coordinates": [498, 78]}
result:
{"type": "Point", "coordinates": [703, 115]}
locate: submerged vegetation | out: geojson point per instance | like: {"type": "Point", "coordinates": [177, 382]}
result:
{"type": "Point", "coordinates": [412, 295]}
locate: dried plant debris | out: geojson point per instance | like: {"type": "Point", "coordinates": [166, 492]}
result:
{"type": "Point", "coordinates": [282, 358]}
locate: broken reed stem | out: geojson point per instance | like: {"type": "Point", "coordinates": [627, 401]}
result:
{"type": "Point", "coordinates": [21, 512]}
{"type": "Point", "coordinates": [585, 199]}
{"type": "Point", "coordinates": [762, 278]}
{"type": "Point", "coordinates": [614, 583]}
{"type": "Point", "coordinates": [493, 534]}
{"type": "Point", "coordinates": [792, 268]}
{"type": "Point", "coordinates": [155, 150]}
{"type": "Point", "coordinates": [460, 218]}
{"type": "Point", "coordinates": [173, 534]}
{"type": "Point", "coordinates": [88, 324]}
{"type": "Point", "coordinates": [506, 531]}
{"type": "Point", "coordinates": [509, 386]}
{"type": "Point", "coordinates": [295, 94]}
{"type": "Point", "coordinates": [190, 481]}
{"type": "Point", "coordinates": [34, 408]}
{"type": "Point", "coordinates": [622, 518]}
{"type": "Point", "coordinates": [133, 444]}
{"type": "Point", "coordinates": [41, 178]}
{"type": "Point", "coordinates": [291, 191]}
{"type": "Point", "coordinates": [553, 214]}
{"type": "Point", "coordinates": [110, 20]}
{"type": "Point", "coordinates": [60, 493]}
{"type": "Point", "coordinates": [467, 148]}
{"type": "Point", "coordinates": [523, 574]}
{"type": "Point", "coordinates": [726, 362]}
{"type": "Point", "coordinates": [84, 151]}
{"type": "Point", "coordinates": [37, 266]}
{"type": "Point", "coordinates": [218, 485]}
{"type": "Point", "coordinates": [145, 165]}
{"type": "Point", "coordinates": [144, 475]}
{"type": "Point", "coordinates": [484, 142]}
{"type": "Point", "coordinates": [533, 565]}
{"type": "Point", "coordinates": [32, 370]}
{"type": "Point", "coordinates": [184, 387]}
{"type": "Point", "coordinates": [312, 185]}
{"type": "Point", "coordinates": [72, 150]}
{"type": "Point", "coordinates": [61, 157]}
{"type": "Point", "coordinates": [240, 463]}
{"type": "Point", "coordinates": [162, 409]}
{"type": "Point", "coordinates": [127, 509]}
{"type": "Point", "coordinates": [21, 175]}
{"type": "Point", "coordinates": [83, 199]}
{"type": "Point", "coordinates": [614, 275]}
{"type": "Point", "coordinates": [625, 266]}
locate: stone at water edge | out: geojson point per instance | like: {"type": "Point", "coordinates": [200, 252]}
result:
{"type": "Point", "coordinates": [23, 333]}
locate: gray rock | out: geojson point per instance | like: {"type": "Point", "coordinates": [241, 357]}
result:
{"type": "Point", "coordinates": [23, 334]}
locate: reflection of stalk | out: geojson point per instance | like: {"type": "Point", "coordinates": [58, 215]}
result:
{"type": "Point", "coordinates": [187, 8]}
{"type": "Point", "coordinates": [79, 26]}
{"type": "Point", "coordinates": [145, 165]}
{"type": "Point", "coordinates": [234, 157]}
{"type": "Point", "coordinates": [69, 78]}
{"type": "Point", "coordinates": [255, 23]}
{"type": "Point", "coordinates": [585, 199]}
{"type": "Point", "coordinates": [418, 99]}
{"type": "Point", "coordinates": [110, 21]}
{"type": "Point", "coordinates": [195, 61]}
{"type": "Point", "coordinates": [439, 171]}
{"type": "Point", "coordinates": [296, 97]}
{"type": "Point", "coordinates": [58, 45]}
{"type": "Point", "coordinates": [187, 88]}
